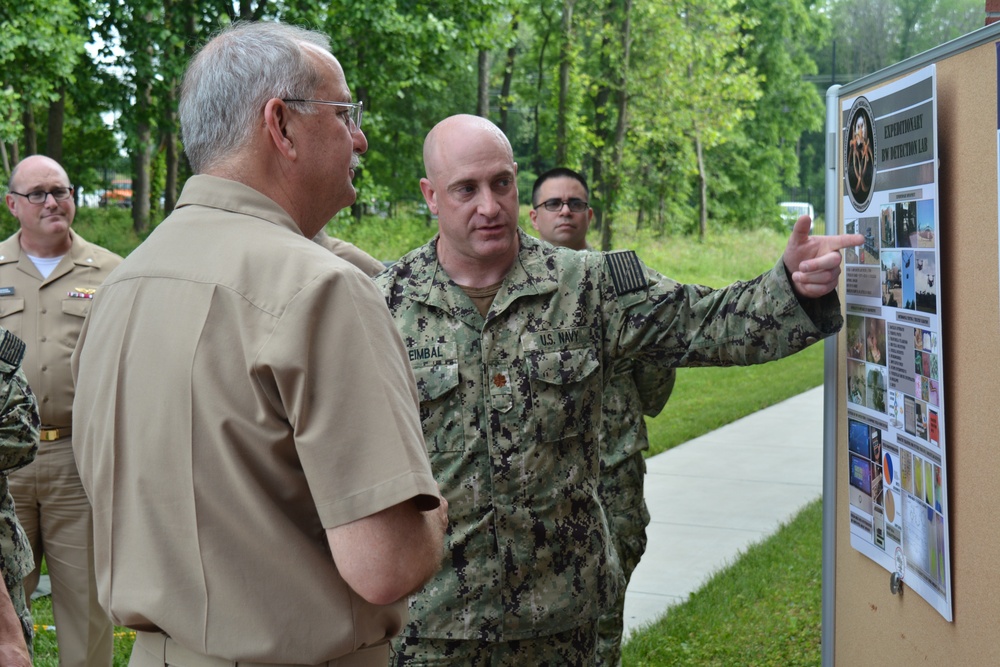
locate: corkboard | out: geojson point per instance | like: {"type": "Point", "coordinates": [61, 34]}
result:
{"type": "Point", "coordinates": [871, 625]}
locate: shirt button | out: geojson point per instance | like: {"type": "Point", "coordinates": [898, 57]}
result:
{"type": "Point", "coordinates": [810, 340]}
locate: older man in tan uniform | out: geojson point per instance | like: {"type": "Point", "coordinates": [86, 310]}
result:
{"type": "Point", "coordinates": [246, 422]}
{"type": "Point", "coordinates": [48, 278]}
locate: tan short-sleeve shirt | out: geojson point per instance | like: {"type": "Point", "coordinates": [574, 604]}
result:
{"type": "Point", "coordinates": [48, 313]}
{"type": "Point", "coordinates": [240, 390]}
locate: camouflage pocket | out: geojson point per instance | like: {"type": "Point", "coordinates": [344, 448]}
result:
{"type": "Point", "coordinates": [440, 406]}
{"type": "Point", "coordinates": [563, 400]}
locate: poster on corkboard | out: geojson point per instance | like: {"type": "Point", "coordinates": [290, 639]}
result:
{"type": "Point", "coordinates": [896, 464]}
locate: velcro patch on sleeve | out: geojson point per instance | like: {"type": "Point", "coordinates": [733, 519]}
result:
{"type": "Point", "coordinates": [11, 349]}
{"type": "Point", "coordinates": [626, 271]}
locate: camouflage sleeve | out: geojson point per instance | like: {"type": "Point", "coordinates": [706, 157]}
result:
{"type": "Point", "coordinates": [19, 420]}
{"type": "Point", "coordinates": [669, 324]}
{"type": "Point", "coordinates": [654, 385]}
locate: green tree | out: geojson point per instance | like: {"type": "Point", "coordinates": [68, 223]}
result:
{"type": "Point", "coordinates": [763, 157]}
{"type": "Point", "coordinates": [39, 51]}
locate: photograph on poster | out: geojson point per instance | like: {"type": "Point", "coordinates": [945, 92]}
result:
{"type": "Point", "coordinates": [852, 254]}
{"type": "Point", "coordinates": [906, 225]}
{"type": "Point", "coordinates": [906, 470]}
{"type": "Point", "coordinates": [892, 281]}
{"type": "Point", "coordinates": [924, 280]}
{"type": "Point", "coordinates": [875, 340]}
{"type": "Point", "coordinates": [875, 388]}
{"type": "Point", "coordinates": [856, 381]}
{"type": "Point", "coordinates": [868, 227]}
{"type": "Point", "coordinates": [895, 408]}
{"type": "Point", "coordinates": [861, 474]}
{"type": "Point", "coordinates": [888, 218]}
{"type": "Point", "coordinates": [909, 290]}
{"type": "Point", "coordinates": [856, 336]}
{"type": "Point", "coordinates": [857, 438]}
{"type": "Point", "coordinates": [925, 224]}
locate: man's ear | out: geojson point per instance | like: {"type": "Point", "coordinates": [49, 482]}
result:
{"type": "Point", "coordinates": [533, 214]}
{"type": "Point", "coordinates": [277, 117]}
{"type": "Point", "coordinates": [430, 195]}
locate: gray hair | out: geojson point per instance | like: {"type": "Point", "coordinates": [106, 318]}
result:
{"type": "Point", "coordinates": [232, 77]}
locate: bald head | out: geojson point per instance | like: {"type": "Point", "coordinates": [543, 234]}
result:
{"type": "Point", "coordinates": [453, 132]}
{"type": "Point", "coordinates": [34, 163]}
{"type": "Point", "coordinates": [471, 186]}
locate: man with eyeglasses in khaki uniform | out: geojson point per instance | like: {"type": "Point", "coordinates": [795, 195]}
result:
{"type": "Point", "coordinates": [48, 277]}
{"type": "Point", "coordinates": [246, 423]}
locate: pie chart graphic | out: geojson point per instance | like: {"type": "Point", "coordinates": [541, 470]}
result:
{"type": "Point", "coordinates": [890, 506]}
{"type": "Point", "coordinates": [887, 468]}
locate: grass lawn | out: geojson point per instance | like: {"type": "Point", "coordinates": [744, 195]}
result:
{"type": "Point", "coordinates": [762, 611]}
{"type": "Point", "coordinates": [765, 609]}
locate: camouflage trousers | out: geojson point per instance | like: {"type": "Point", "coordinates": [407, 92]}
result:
{"type": "Point", "coordinates": [622, 497]}
{"type": "Point", "coordinates": [576, 646]}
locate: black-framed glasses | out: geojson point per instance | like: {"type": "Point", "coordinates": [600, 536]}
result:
{"type": "Point", "coordinates": [39, 196]}
{"type": "Point", "coordinates": [575, 205]}
{"type": "Point", "coordinates": [352, 111]}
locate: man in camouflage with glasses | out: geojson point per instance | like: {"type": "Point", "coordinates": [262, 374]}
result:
{"type": "Point", "coordinates": [48, 277]}
{"type": "Point", "coordinates": [561, 214]}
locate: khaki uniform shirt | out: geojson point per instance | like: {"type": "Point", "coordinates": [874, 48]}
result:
{"type": "Point", "coordinates": [350, 252]}
{"type": "Point", "coordinates": [511, 407]}
{"type": "Point", "coordinates": [240, 390]}
{"type": "Point", "coordinates": [47, 314]}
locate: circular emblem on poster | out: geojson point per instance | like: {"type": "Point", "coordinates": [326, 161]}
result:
{"type": "Point", "coordinates": [859, 154]}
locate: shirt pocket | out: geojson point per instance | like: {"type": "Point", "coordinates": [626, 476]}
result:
{"type": "Point", "coordinates": [11, 312]}
{"type": "Point", "coordinates": [78, 307]}
{"type": "Point", "coordinates": [563, 391]}
{"type": "Point", "coordinates": [440, 400]}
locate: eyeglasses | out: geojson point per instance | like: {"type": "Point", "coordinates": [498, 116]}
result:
{"type": "Point", "coordinates": [575, 205]}
{"type": "Point", "coordinates": [352, 112]}
{"type": "Point", "coordinates": [39, 196]}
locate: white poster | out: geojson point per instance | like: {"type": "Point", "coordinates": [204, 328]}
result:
{"type": "Point", "coordinates": [896, 465]}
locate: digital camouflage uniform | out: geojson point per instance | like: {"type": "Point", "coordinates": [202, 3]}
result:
{"type": "Point", "coordinates": [18, 446]}
{"type": "Point", "coordinates": [632, 391]}
{"type": "Point", "coordinates": [511, 407]}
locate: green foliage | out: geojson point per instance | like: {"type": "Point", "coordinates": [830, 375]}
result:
{"type": "Point", "coordinates": [762, 611]}
{"type": "Point", "coordinates": [108, 227]}
{"type": "Point", "coordinates": [385, 238]}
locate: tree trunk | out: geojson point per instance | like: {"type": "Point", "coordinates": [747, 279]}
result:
{"type": "Point", "coordinates": [173, 165]}
{"type": "Point", "coordinates": [141, 158]}
{"type": "Point", "coordinates": [508, 76]}
{"type": "Point", "coordinates": [483, 99]}
{"type": "Point", "coordinates": [702, 189]}
{"type": "Point", "coordinates": [621, 126]}
{"type": "Point", "coordinates": [30, 132]}
{"type": "Point", "coordinates": [565, 55]}
{"type": "Point", "coordinates": [540, 76]}
{"type": "Point", "coordinates": [54, 135]}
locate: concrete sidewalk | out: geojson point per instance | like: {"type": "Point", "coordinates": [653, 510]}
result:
{"type": "Point", "coordinates": [712, 497]}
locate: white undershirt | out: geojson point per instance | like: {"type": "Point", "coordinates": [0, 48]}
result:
{"type": "Point", "coordinates": [45, 265]}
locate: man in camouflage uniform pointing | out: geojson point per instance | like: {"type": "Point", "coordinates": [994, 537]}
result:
{"type": "Point", "coordinates": [18, 445]}
{"type": "Point", "coordinates": [511, 342]}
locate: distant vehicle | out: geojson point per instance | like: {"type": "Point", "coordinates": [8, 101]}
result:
{"type": "Point", "coordinates": [793, 210]}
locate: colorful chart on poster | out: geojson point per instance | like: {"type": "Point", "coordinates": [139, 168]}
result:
{"type": "Point", "coordinates": [896, 466]}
